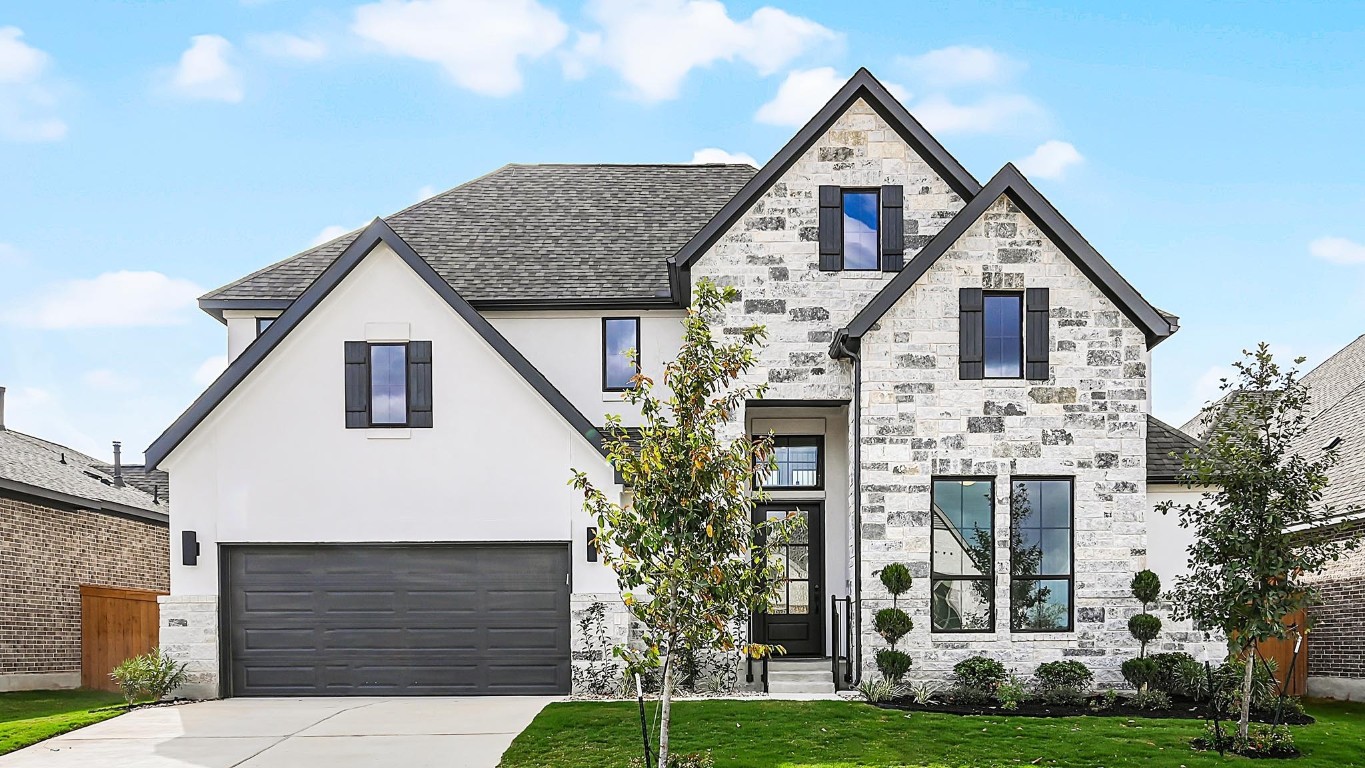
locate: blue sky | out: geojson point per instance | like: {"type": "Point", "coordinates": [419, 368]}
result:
{"type": "Point", "coordinates": [152, 151]}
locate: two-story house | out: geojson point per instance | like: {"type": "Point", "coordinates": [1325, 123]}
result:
{"type": "Point", "coordinates": [373, 497]}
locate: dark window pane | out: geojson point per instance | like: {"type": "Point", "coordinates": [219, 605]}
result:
{"type": "Point", "coordinates": [961, 605]}
{"type": "Point", "coordinates": [1056, 504]}
{"type": "Point", "coordinates": [963, 556]}
{"type": "Point", "coordinates": [263, 323]}
{"type": "Point", "coordinates": [1003, 337]}
{"type": "Point", "coordinates": [1040, 604]}
{"type": "Point", "coordinates": [388, 384]}
{"type": "Point", "coordinates": [798, 463]}
{"type": "Point", "coordinates": [621, 337]}
{"type": "Point", "coordinates": [860, 231]}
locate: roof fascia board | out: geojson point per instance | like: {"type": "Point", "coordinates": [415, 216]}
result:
{"type": "Point", "coordinates": [1009, 181]}
{"type": "Point", "coordinates": [215, 307]}
{"type": "Point", "coordinates": [863, 85]}
{"type": "Point", "coordinates": [81, 502]}
{"type": "Point", "coordinates": [377, 232]}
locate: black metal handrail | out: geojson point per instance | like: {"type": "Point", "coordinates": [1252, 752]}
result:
{"type": "Point", "coordinates": [841, 657]}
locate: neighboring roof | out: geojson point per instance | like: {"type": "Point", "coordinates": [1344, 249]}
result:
{"type": "Point", "coordinates": [1166, 446]}
{"type": "Point", "coordinates": [377, 232]}
{"type": "Point", "coordinates": [528, 233]}
{"type": "Point", "coordinates": [35, 467]}
{"type": "Point", "coordinates": [1009, 181]}
{"type": "Point", "coordinates": [154, 481]}
{"type": "Point", "coordinates": [1336, 376]}
{"type": "Point", "coordinates": [1344, 419]}
{"type": "Point", "coordinates": [861, 86]}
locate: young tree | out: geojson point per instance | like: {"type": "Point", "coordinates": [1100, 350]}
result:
{"type": "Point", "coordinates": [689, 558]}
{"type": "Point", "coordinates": [1246, 567]}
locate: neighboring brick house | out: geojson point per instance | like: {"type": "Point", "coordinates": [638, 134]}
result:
{"type": "Point", "coordinates": [1336, 644]}
{"type": "Point", "coordinates": [956, 380]}
{"type": "Point", "coordinates": [65, 522]}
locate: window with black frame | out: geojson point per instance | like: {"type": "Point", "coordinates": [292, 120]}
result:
{"type": "Point", "coordinates": [1042, 571]}
{"type": "Point", "coordinates": [799, 463]}
{"type": "Point", "coordinates": [961, 567]}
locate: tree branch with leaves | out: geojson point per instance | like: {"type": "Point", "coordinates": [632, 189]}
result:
{"type": "Point", "coordinates": [690, 560]}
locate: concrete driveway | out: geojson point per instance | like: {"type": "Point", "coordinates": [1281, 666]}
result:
{"type": "Point", "coordinates": [296, 733]}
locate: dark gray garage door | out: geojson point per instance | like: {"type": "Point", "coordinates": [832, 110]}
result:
{"type": "Point", "coordinates": [398, 620]}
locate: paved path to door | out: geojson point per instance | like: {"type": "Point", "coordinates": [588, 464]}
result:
{"type": "Point", "coordinates": [296, 733]}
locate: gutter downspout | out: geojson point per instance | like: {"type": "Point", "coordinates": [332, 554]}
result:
{"type": "Point", "coordinates": [844, 347]}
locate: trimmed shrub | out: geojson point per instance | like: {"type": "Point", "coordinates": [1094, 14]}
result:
{"type": "Point", "coordinates": [1140, 673]}
{"type": "Point", "coordinates": [1062, 674]}
{"type": "Point", "coordinates": [1145, 627]}
{"type": "Point", "coordinates": [1169, 674]}
{"type": "Point", "coordinates": [893, 664]}
{"type": "Point", "coordinates": [1146, 587]}
{"type": "Point", "coordinates": [892, 624]}
{"type": "Point", "coordinates": [896, 578]}
{"type": "Point", "coordinates": [980, 673]}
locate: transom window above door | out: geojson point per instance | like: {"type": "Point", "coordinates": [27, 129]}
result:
{"type": "Point", "coordinates": [800, 463]}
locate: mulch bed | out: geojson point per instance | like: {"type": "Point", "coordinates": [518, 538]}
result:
{"type": "Point", "coordinates": [1186, 709]}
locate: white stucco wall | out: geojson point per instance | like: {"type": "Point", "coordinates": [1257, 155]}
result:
{"type": "Point", "coordinates": [274, 462]}
{"type": "Point", "coordinates": [241, 328]}
{"type": "Point", "coordinates": [1167, 542]}
{"type": "Point", "coordinates": [567, 347]}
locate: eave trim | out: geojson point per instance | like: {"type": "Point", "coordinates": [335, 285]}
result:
{"type": "Point", "coordinates": [81, 502]}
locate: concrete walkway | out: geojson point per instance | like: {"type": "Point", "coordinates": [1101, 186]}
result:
{"type": "Point", "coordinates": [296, 733]}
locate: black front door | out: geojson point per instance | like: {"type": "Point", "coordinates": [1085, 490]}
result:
{"type": "Point", "coordinates": [794, 620]}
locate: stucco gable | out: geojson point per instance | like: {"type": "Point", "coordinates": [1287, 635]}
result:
{"type": "Point", "coordinates": [376, 234]}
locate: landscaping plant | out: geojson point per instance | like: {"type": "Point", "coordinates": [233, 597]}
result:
{"type": "Point", "coordinates": [878, 690]}
{"type": "Point", "coordinates": [1062, 682]}
{"type": "Point", "coordinates": [1144, 627]}
{"type": "Point", "coordinates": [976, 679]}
{"type": "Point", "coordinates": [893, 623]}
{"type": "Point", "coordinates": [690, 562]}
{"type": "Point", "coordinates": [154, 674]}
{"type": "Point", "coordinates": [1011, 693]}
{"type": "Point", "coordinates": [1247, 569]}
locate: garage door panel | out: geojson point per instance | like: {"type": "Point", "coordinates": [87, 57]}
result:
{"type": "Point", "coordinates": [357, 620]}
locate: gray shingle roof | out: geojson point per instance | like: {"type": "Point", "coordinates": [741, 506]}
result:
{"type": "Point", "coordinates": [1165, 447]}
{"type": "Point", "coordinates": [1343, 419]}
{"type": "Point", "coordinates": [528, 232]}
{"type": "Point", "coordinates": [34, 463]}
{"type": "Point", "coordinates": [156, 482]}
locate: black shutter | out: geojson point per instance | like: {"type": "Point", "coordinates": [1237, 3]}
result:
{"type": "Point", "coordinates": [1036, 340]}
{"type": "Point", "coordinates": [357, 385]}
{"type": "Point", "coordinates": [419, 384]}
{"type": "Point", "coordinates": [893, 228]}
{"type": "Point", "coordinates": [970, 331]}
{"type": "Point", "coordinates": [831, 228]}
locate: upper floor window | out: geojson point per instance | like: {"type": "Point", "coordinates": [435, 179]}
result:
{"type": "Point", "coordinates": [1003, 315]}
{"type": "Point", "coordinates": [1042, 570]}
{"type": "Point", "coordinates": [861, 229]}
{"type": "Point", "coordinates": [1003, 334]}
{"type": "Point", "coordinates": [620, 353]}
{"type": "Point", "coordinates": [962, 571]}
{"type": "Point", "coordinates": [262, 323]}
{"type": "Point", "coordinates": [800, 463]}
{"type": "Point", "coordinates": [861, 240]}
{"type": "Point", "coordinates": [388, 384]}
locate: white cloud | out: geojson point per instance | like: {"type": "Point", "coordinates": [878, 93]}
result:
{"type": "Point", "coordinates": [989, 114]}
{"type": "Point", "coordinates": [27, 97]}
{"type": "Point", "coordinates": [11, 256]}
{"type": "Point", "coordinates": [112, 300]}
{"type": "Point", "coordinates": [654, 44]}
{"type": "Point", "coordinates": [1050, 160]}
{"type": "Point", "coordinates": [329, 234]}
{"type": "Point", "coordinates": [206, 72]}
{"type": "Point", "coordinates": [716, 155]}
{"type": "Point", "coordinates": [1338, 250]}
{"type": "Point", "coordinates": [107, 380]}
{"type": "Point", "coordinates": [210, 370]}
{"type": "Point", "coordinates": [959, 65]}
{"type": "Point", "coordinates": [36, 411]}
{"type": "Point", "coordinates": [286, 46]}
{"type": "Point", "coordinates": [479, 43]}
{"type": "Point", "coordinates": [804, 92]}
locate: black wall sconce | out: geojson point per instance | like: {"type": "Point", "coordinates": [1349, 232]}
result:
{"type": "Point", "coordinates": [189, 548]}
{"type": "Point", "coordinates": [592, 544]}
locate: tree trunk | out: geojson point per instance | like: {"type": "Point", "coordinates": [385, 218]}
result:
{"type": "Point", "coordinates": [665, 709]}
{"type": "Point", "coordinates": [1244, 719]}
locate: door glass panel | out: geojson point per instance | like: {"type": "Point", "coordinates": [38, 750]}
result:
{"type": "Point", "coordinates": [799, 601]}
{"type": "Point", "coordinates": [792, 563]}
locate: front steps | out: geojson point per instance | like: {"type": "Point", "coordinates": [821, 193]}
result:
{"type": "Point", "coordinates": [800, 676]}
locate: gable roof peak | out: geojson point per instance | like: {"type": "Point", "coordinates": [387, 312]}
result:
{"type": "Point", "coordinates": [1010, 181]}
{"type": "Point", "coordinates": [862, 85]}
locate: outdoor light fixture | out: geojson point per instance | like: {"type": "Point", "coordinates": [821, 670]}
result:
{"type": "Point", "coordinates": [592, 544]}
{"type": "Point", "coordinates": [189, 548]}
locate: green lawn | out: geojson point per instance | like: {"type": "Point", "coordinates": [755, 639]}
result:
{"type": "Point", "coordinates": [831, 734]}
{"type": "Point", "coordinates": [28, 717]}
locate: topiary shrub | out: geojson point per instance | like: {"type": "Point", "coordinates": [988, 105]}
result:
{"type": "Point", "coordinates": [1140, 673]}
{"type": "Point", "coordinates": [893, 623]}
{"type": "Point", "coordinates": [1145, 627]}
{"type": "Point", "coordinates": [1146, 587]}
{"type": "Point", "coordinates": [979, 673]}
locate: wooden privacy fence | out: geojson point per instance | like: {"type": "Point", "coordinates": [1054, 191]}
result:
{"type": "Point", "coordinates": [1282, 652]}
{"type": "Point", "coordinates": [115, 624]}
